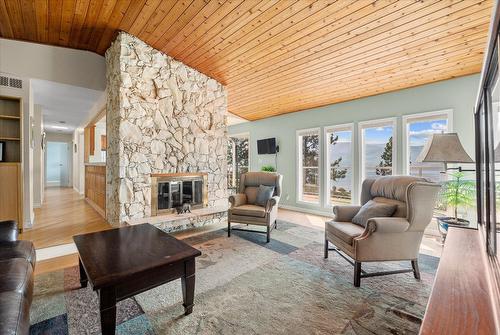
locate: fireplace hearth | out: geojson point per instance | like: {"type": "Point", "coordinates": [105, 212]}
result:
{"type": "Point", "coordinates": [172, 190]}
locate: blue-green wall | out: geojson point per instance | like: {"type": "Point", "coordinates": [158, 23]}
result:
{"type": "Point", "coordinates": [456, 94]}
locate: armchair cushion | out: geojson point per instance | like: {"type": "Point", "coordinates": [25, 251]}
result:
{"type": "Point", "coordinates": [237, 199]}
{"type": "Point", "coordinates": [249, 210]}
{"type": "Point", "coordinates": [388, 225]}
{"type": "Point", "coordinates": [345, 231]}
{"type": "Point", "coordinates": [373, 209]}
{"type": "Point", "coordinates": [251, 193]}
{"type": "Point", "coordinates": [345, 213]}
{"type": "Point", "coordinates": [265, 193]}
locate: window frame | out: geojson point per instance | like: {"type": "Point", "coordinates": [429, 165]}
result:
{"type": "Point", "coordinates": [245, 135]}
{"type": "Point", "coordinates": [391, 121]}
{"type": "Point", "coordinates": [423, 116]}
{"type": "Point", "coordinates": [326, 182]}
{"type": "Point", "coordinates": [298, 165]}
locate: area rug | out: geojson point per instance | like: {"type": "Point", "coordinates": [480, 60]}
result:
{"type": "Point", "coordinates": [245, 286]}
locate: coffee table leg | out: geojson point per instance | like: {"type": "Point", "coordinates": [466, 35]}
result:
{"type": "Point", "coordinates": [188, 286]}
{"type": "Point", "coordinates": [107, 306]}
{"type": "Point", "coordinates": [83, 274]}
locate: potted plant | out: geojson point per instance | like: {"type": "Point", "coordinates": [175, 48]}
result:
{"type": "Point", "coordinates": [457, 192]}
{"type": "Point", "coordinates": [268, 168]}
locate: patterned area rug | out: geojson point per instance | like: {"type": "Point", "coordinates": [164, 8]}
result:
{"type": "Point", "coordinates": [245, 286]}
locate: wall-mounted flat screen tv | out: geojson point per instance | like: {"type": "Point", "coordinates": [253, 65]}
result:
{"type": "Point", "coordinates": [266, 146]}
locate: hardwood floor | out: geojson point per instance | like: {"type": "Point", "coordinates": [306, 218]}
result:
{"type": "Point", "coordinates": [64, 213]}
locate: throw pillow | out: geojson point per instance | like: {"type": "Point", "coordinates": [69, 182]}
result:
{"type": "Point", "coordinates": [373, 210]}
{"type": "Point", "coordinates": [264, 194]}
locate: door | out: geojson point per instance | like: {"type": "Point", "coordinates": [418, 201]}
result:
{"type": "Point", "coordinates": [57, 164]}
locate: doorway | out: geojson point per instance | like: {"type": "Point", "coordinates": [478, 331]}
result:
{"type": "Point", "coordinates": [57, 164]}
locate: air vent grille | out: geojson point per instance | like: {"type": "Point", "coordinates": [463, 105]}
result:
{"type": "Point", "coordinates": [4, 81]}
{"type": "Point", "coordinates": [16, 83]}
{"type": "Point", "coordinates": [11, 82]}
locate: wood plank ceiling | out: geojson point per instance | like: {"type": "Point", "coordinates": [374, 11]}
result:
{"type": "Point", "coordinates": [277, 56]}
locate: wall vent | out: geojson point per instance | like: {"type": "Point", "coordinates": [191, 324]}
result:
{"type": "Point", "coordinates": [11, 82]}
{"type": "Point", "coordinates": [4, 81]}
{"type": "Point", "coordinates": [16, 83]}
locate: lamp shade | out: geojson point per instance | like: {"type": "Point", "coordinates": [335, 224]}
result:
{"type": "Point", "coordinates": [444, 148]}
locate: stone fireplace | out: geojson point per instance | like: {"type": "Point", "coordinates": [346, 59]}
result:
{"type": "Point", "coordinates": [163, 118]}
{"type": "Point", "coordinates": [172, 190]}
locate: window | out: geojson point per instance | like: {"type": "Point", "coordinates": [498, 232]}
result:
{"type": "Point", "coordinates": [417, 129]}
{"type": "Point", "coordinates": [308, 152]}
{"type": "Point", "coordinates": [338, 167]}
{"type": "Point", "coordinates": [378, 148]}
{"type": "Point", "coordinates": [495, 146]}
{"type": "Point", "coordinates": [237, 159]}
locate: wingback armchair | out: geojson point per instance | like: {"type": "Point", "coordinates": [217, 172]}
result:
{"type": "Point", "coordinates": [393, 238]}
{"type": "Point", "coordinates": [244, 208]}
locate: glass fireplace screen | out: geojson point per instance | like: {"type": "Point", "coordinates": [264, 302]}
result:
{"type": "Point", "coordinates": [173, 194]}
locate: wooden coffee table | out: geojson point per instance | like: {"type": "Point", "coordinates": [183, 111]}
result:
{"type": "Point", "coordinates": [123, 262]}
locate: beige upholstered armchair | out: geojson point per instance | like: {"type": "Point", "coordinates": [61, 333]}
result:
{"type": "Point", "coordinates": [244, 208]}
{"type": "Point", "coordinates": [393, 238]}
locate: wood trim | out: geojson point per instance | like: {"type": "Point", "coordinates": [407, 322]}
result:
{"type": "Point", "coordinates": [92, 140]}
{"type": "Point", "coordinates": [460, 301]}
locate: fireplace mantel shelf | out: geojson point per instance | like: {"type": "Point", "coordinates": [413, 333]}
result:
{"type": "Point", "coordinates": [183, 174]}
{"type": "Point", "coordinates": [195, 213]}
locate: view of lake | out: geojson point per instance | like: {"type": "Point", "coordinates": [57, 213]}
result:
{"type": "Point", "coordinates": [372, 157]}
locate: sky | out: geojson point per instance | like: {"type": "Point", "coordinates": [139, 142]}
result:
{"type": "Point", "coordinates": [420, 131]}
{"type": "Point", "coordinates": [377, 135]}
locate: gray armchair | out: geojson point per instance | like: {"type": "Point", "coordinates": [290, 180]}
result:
{"type": "Point", "coordinates": [244, 208]}
{"type": "Point", "coordinates": [393, 238]}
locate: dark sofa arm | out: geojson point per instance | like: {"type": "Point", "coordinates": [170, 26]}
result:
{"type": "Point", "coordinates": [8, 231]}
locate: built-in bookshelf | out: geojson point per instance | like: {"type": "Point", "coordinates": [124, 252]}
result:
{"type": "Point", "coordinates": [10, 129]}
{"type": "Point", "coordinates": [11, 197]}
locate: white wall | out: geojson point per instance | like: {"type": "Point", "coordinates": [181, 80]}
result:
{"type": "Point", "coordinates": [62, 65]}
{"type": "Point", "coordinates": [38, 159]}
{"type": "Point", "coordinates": [78, 164]}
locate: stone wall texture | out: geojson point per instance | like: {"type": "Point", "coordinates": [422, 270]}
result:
{"type": "Point", "coordinates": [162, 117]}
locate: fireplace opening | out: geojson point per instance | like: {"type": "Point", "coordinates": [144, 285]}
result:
{"type": "Point", "coordinates": [173, 190]}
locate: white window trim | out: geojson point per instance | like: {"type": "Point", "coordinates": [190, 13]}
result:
{"type": "Point", "coordinates": [326, 187]}
{"type": "Point", "coordinates": [361, 143]}
{"type": "Point", "coordinates": [424, 116]}
{"type": "Point", "coordinates": [242, 135]}
{"type": "Point", "coordinates": [298, 165]}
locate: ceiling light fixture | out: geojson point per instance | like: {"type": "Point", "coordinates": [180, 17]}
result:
{"type": "Point", "coordinates": [58, 127]}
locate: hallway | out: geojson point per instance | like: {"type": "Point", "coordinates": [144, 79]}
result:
{"type": "Point", "coordinates": [63, 214]}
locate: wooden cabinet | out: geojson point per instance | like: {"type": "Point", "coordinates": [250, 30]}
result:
{"type": "Point", "coordinates": [11, 202]}
{"type": "Point", "coordinates": [95, 187]}
{"type": "Point", "coordinates": [11, 194]}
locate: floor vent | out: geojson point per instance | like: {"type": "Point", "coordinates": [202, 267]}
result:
{"type": "Point", "coordinates": [11, 82]}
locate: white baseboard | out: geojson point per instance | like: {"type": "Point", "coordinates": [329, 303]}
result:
{"type": "Point", "coordinates": [307, 210]}
{"type": "Point", "coordinates": [29, 223]}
